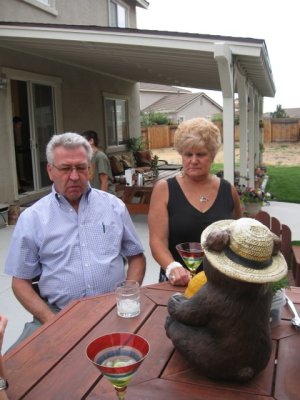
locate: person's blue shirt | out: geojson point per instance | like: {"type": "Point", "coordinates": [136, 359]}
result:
{"type": "Point", "coordinates": [77, 254]}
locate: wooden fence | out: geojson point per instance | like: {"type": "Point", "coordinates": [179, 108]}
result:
{"type": "Point", "coordinates": [281, 130]}
{"type": "Point", "coordinates": [274, 130]}
{"type": "Point", "coordinates": [159, 136]}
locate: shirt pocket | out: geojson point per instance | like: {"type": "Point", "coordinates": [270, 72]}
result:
{"type": "Point", "coordinates": [109, 238]}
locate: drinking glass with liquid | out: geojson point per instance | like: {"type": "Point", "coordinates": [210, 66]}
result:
{"type": "Point", "coordinates": [128, 299]}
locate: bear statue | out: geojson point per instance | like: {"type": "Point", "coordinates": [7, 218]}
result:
{"type": "Point", "coordinates": [223, 330]}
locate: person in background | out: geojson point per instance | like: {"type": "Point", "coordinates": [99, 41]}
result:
{"type": "Point", "coordinates": [75, 239]}
{"type": "Point", "coordinates": [102, 177]}
{"type": "Point", "coordinates": [3, 381]}
{"type": "Point", "coordinates": [183, 206]}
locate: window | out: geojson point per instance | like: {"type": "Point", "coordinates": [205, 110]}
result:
{"type": "Point", "coordinates": [116, 121]}
{"type": "Point", "coordinates": [46, 2]}
{"type": "Point", "coordinates": [118, 14]}
{"type": "Point", "coordinates": [46, 5]}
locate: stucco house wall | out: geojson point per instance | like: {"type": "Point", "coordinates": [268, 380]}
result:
{"type": "Point", "coordinates": [81, 107]}
{"type": "Point", "coordinates": [69, 12]}
{"type": "Point", "coordinates": [199, 108]}
{"type": "Point", "coordinates": [146, 99]}
{"type": "Point", "coordinates": [182, 106]}
{"type": "Point", "coordinates": [150, 93]}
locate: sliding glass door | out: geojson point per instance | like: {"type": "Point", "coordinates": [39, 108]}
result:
{"type": "Point", "coordinates": [34, 123]}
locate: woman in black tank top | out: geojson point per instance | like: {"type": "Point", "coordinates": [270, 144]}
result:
{"type": "Point", "coordinates": [182, 207]}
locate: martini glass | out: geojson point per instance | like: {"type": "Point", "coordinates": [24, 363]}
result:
{"type": "Point", "coordinates": [192, 255]}
{"type": "Point", "coordinates": [118, 356]}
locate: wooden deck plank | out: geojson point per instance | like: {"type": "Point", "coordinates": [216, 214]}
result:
{"type": "Point", "coordinates": [159, 389]}
{"type": "Point", "coordinates": [60, 339]}
{"type": "Point", "coordinates": [288, 372]}
{"type": "Point", "coordinates": [179, 370]}
{"type": "Point", "coordinates": [75, 382]}
{"type": "Point", "coordinates": [53, 362]}
{"type": "Point", "coordinates": [158, 296]}
{"type": "Point", "coordinates": [160, 351]}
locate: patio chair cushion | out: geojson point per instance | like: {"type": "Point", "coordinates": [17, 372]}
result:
{"type": "Point", "coordinates": [143, 158]}
{"type": "Point", "coordinates": [117, 166]}
{"type": "Point", "coordinates": [128, 160]}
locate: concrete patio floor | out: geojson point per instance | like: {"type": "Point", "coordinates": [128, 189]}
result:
{"type": "Point", "coordinates": [287, 213]}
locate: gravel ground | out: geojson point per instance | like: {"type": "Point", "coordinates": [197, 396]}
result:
{"type": "Point", "coordinates": [274, 154]}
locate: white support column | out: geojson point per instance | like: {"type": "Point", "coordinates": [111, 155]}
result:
{"type": "Point", "coordinates": [223, 57]}
{"type": "Point", "coordinates": [251, 142]}
{"type": "Point", "coordinates": [243, 104]}
{"type": "Point", "coordinates": [261, 139]}
{"type": "Point", "coordinates": [256, 130]}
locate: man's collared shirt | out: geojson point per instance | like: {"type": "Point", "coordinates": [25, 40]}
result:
{"type": "Point", "coordinates": [77, 254]}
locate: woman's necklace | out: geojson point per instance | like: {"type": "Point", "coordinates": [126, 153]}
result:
{"type": "Point", "coordinates": [204, 198]}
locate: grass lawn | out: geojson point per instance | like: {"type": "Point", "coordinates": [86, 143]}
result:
{"type": "Point", "coordinates": [216, 167]}
{"type": "Point", "coordinates": [283, 184]}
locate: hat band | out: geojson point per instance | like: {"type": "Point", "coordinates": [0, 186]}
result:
{"type": "Point", "coordinates": [245, 262]}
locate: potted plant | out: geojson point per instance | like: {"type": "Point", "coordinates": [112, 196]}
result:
{"type": "Point", "coordinates": [138, 147]}
{"type": "Point", "coordinates": [135, 144]}
{"type": "Point", "coordinates": [154, 165]}
{"type": "Point", "coordinates": [253, 199]}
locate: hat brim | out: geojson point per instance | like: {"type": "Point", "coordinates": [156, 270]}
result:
{"type": "Point", "coordinates": [274, 272]}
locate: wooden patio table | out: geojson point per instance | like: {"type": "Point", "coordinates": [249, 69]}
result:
{"type": "Point", "coordinates": [52, 365]}
{"type": "Point", "coordinates": [137, 198]}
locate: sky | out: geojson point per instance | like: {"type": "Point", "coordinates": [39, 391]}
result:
{"type": "Point", "coordinates": [275, 22]}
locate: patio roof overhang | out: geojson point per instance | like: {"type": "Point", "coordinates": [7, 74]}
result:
{"type": "Point", "coordinates": [222, 63]}
{"type": "Point", "coordinates": [170, 58]}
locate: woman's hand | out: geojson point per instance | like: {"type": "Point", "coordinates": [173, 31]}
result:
{"type": "Point", "coordinates": [179, 276]}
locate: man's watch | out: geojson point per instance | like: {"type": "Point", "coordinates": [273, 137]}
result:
{"type": "Point", "coordinates": [3, 384]}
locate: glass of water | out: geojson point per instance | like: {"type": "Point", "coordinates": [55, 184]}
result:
{"type": "Point", "coordinates": [128, 299]}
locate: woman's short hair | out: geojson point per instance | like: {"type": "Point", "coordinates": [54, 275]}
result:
{"type": "Point", "coordinates": [197, 132]}
{"type": "Point", "coordinates": [68, 140]}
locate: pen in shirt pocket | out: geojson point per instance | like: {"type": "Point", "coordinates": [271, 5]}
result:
{"type": "Point", "coordinates": [103, 227]}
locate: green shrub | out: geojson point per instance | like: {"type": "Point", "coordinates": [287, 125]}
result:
{"type": "Point", "coordinates": [154, 118]}
{"type": "Point", "coordinates": [217, 118]}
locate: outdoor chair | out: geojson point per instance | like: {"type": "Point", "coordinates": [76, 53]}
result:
{"type": "Point", "coordinates": [139, 160]}
{"type": "Point", "coordinates": [290, 252]}
{"type": "Point", "coordinates": [143, 158]}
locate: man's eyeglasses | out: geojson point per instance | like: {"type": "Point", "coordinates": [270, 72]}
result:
{"type": "Point", "coordinates": [67, 169]}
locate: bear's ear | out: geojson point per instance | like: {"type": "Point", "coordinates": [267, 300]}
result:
{"type": "Point", "coordinates": [217, 240]}
{"type": "Point", "coordinates": [276, 245]}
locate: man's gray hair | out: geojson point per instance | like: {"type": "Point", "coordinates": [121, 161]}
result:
{"type": "Point", "coordinates": [68, 140]}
